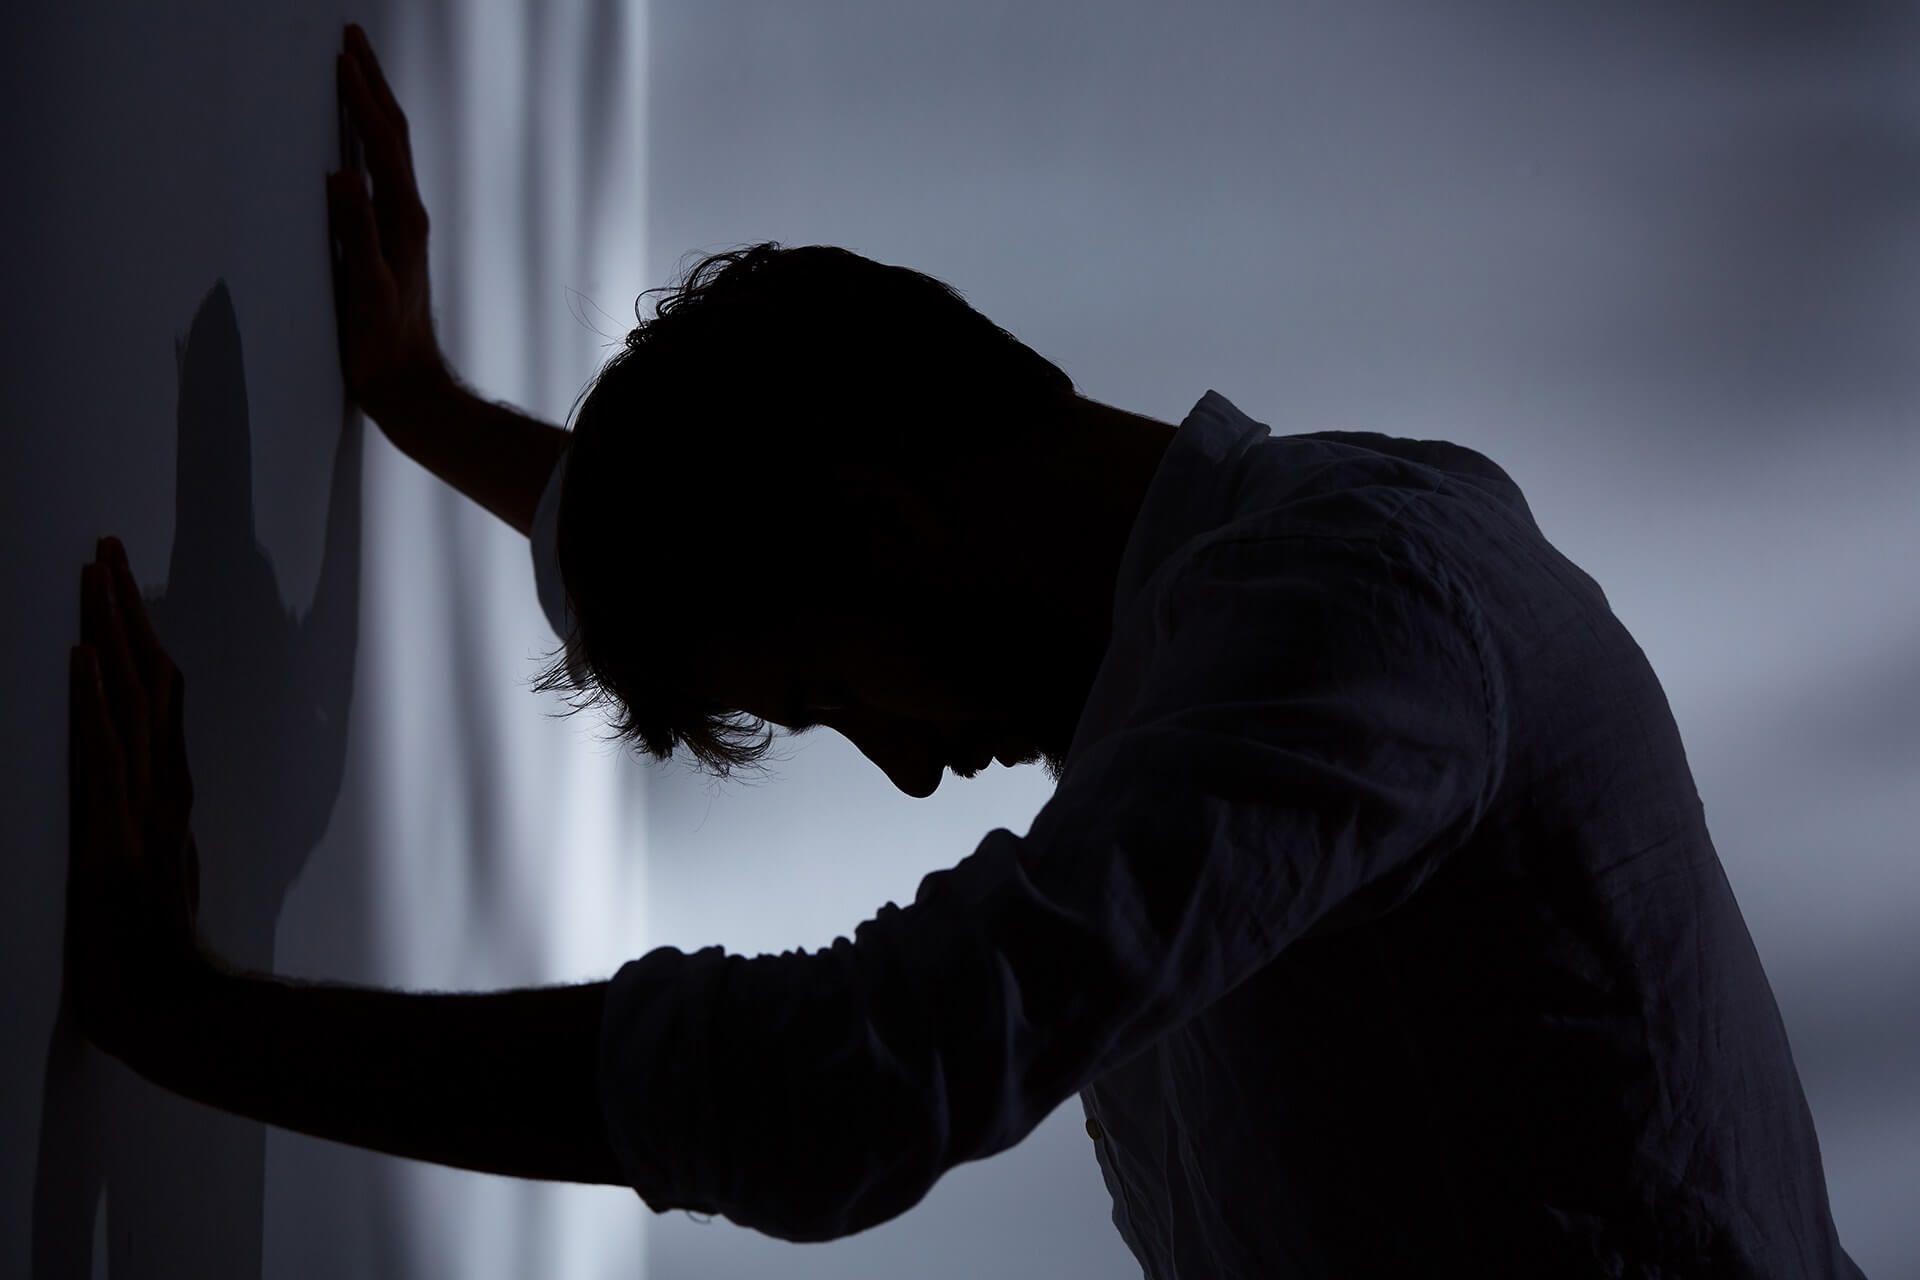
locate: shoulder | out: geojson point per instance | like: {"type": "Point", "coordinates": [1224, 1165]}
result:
{"type": "Point", "coordinates": [1377, 596]}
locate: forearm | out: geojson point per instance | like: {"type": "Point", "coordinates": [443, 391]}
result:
{"type": "Point", "coordinates": [501, 1082]}
{"type": "Point", "coordinates": [493, 453]}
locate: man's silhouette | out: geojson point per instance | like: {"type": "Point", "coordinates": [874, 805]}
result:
{"type": "Point", "coordinates": [1374, 918]}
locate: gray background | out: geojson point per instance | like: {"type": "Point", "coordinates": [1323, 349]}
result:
{"type": "Point", "coordinates": [1661, 266]}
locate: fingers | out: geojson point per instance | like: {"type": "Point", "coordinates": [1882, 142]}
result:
{"type": "Point", "coordinates": [384, 137]}
{"type": "Point", "coordinates": [382, 128]}
{"type": "Point", "coordinates": [96, 785]}
{"type": "Point", "coordinates": [128, 706]}
{"type": "Point", "coordinates": [376, 80]}
{"type": "Point", "coordinates": [150, 659]}
{"type": "Point", "coordinates": [162, 770]}
{"type": "Point", "coordinates": [352, 216]}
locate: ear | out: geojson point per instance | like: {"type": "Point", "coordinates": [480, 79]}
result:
{"type": "Point", "coordinates": [888, 521]}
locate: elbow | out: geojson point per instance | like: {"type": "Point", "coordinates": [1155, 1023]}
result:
{"type": "Point", "coordinates": [850, 1174]}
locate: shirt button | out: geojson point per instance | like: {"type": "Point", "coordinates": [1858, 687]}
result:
{"type": "Point", "coordinates": [1093, 1129]}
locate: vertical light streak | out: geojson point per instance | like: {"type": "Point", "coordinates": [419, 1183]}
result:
{"type": "Point", "coordinates": [512, 843]}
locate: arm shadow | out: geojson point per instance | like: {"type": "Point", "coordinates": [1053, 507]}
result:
{"type": "Point", "coordinates": [268, 698]}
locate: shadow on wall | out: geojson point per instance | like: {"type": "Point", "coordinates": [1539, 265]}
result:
{"type": "Point", "coordinates": [268, 697]}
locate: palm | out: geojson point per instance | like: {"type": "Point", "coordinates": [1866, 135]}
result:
{"type": "Point", "coordinates": [133, 944]}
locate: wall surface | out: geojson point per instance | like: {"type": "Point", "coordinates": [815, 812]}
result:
{"type": "Point", "coordinates": [380, 800]}
{"type": "Point", "coordinates": [1660, 267]}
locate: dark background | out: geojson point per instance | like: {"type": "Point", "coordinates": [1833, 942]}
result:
{"type": "Point", "coordinates": [1661, 265]}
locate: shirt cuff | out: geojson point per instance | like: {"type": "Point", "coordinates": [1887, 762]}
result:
{"type": "Point", "coordinates": [652, 1047]}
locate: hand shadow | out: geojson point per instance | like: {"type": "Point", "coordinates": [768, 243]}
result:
{"type": "Point", "coordinates": [267, 700]}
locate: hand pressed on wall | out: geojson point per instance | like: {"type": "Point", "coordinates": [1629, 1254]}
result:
{"type": "Point", "coordinates": [383, 302]}
{"type": "Point", "coordinates": [134, 957]}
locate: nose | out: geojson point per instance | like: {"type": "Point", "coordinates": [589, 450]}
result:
{"type": "Point", "coordinates": [913, 764]}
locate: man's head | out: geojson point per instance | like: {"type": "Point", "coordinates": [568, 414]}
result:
{"type": "Point", "coordinates": [806, 491]}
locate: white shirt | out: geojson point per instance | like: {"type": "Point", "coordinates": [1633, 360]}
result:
{"type": "Point", "coordinates": [1374, 921]}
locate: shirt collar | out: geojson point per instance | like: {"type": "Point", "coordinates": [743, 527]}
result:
{"type": "Point", "coordinates": [1191, 492]}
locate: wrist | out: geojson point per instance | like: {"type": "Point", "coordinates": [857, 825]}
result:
{"type": "Point", "coordinates": [185, 1035]}
{"type": "Point", "coordinates": [407, 400]}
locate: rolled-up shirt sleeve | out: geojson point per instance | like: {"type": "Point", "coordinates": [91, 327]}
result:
{"type": "Point", "coordinates": [1315, 731]}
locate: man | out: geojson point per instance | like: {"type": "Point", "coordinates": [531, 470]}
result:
{"type": "Point", "coordinates": [1374, 918]}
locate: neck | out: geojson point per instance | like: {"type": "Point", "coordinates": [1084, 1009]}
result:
{"type": "Point", "coordinates": [1052, 537]}
{"type": "Point", "coordinates": [1098, 478]}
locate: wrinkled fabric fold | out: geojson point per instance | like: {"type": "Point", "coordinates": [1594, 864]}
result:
{"type": "Point", "coordinates": [1375, 922]}
{"type": "Point", "coordinates": [811, 1095]}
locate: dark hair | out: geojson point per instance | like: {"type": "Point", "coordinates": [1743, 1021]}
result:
{"type": "Point", "coordinates": [761, 368]}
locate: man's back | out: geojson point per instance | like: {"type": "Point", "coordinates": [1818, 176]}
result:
{"type": "Point", "coordinates": [1548, 1050]}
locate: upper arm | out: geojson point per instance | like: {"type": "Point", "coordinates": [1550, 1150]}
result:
{"type": "Point", "coordinates": [1322, 709]}
{"type": "Point", "coordinates": [1314, 722]}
